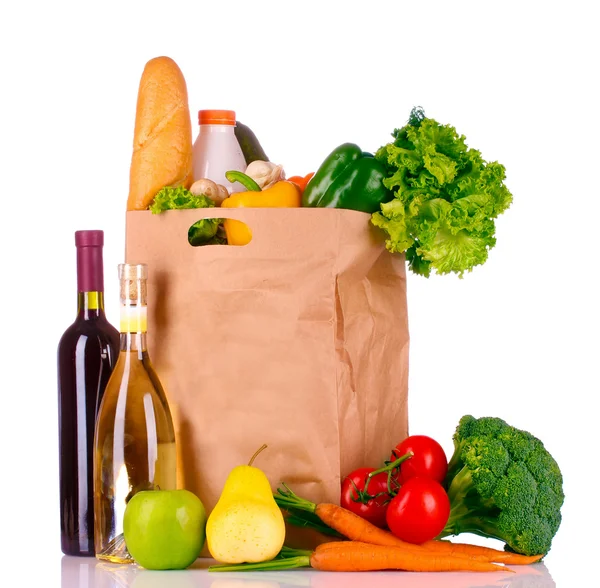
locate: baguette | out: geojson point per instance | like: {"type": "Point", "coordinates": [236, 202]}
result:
{"type": "Point", "coordinates": [162, 142]}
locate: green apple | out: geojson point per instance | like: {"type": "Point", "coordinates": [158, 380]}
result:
{"type": "Point", "coordinates": [164, 529]}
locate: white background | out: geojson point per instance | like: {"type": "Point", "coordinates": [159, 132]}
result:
{"type": "Point", "coordinates": [516, 338]}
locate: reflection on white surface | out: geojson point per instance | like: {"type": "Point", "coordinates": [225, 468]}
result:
{"type": "Point", "coordinates": [77, 572]}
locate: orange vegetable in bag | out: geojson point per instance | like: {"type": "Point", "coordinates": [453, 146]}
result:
{"type": "Point", "coordinates": [301, 181]}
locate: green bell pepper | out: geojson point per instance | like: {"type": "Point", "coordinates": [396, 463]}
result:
{"type": "Point", "coordinates": [348, 178]}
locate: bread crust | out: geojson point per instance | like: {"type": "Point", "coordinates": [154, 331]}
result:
{"type": "Point", "coordinates": [162, 142]}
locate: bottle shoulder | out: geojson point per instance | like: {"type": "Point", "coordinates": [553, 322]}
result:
{"type": "Point", "coordinates": [134, 382]}
{"type": "Point", "coordinates": [134, 367]}
{"type": "Point", "coordinates": [97, 329]}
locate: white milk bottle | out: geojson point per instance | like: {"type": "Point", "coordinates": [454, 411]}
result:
{"type": "Point", "coordinates": [216, 149]}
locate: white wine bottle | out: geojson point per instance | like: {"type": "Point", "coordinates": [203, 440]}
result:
{"type": "Point", "coordinates": [134, 444]}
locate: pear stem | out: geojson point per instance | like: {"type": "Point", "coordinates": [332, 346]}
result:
{"type": "Point", "coordinates": [254, 456]}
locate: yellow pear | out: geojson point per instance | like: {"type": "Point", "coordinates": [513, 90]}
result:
{"type": "Point", "coordinates": [246, 525]}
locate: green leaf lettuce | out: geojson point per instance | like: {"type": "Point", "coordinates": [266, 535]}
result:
{"type": "Point", "coordinates": [446, 198]}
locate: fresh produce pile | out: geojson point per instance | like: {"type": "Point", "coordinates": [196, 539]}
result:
{"type": "Point", "coordinates": [500, 483]}
{"type": "Point", "coordinates": [435, 200]}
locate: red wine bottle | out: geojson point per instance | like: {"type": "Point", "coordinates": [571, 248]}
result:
{"type": "Point", "coordinates": [87, 353]}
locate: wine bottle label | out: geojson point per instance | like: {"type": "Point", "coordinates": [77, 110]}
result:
{"type": "Point", "coordinates": [134, 319]}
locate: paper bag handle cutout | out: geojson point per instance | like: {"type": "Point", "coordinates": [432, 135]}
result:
{"type": "Point", "coordinates": [238, 233]}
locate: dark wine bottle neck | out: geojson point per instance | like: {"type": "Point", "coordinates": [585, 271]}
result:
{"type": "Point", "coordinates": [90, 274]}
{"type": "Point", "coordinates": [90, 305]}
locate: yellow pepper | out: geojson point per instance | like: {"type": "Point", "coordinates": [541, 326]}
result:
{"type": "Point", "coordinates": [282, 194]}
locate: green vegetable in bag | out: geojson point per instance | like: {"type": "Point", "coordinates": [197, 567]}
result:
{"type": "Point", "coordinates": [348, 178]}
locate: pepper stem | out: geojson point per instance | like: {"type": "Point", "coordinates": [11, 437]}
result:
{"type": "Point", "coordinates": [244, 179]}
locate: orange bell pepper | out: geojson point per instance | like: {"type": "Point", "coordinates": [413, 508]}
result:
{"type": "Point", "coordinates": [301, 181]}
{"type": "Point", "coordinates": [283, 194]}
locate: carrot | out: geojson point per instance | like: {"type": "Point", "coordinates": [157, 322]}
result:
{"type": "Point", "coordinates": [356, 528]}
{"type": "Point", "coordinates": [407, 547]}
{"type": "Point", "coordinates": [492, 554]}
{"type": "Point", "coordinates": [354, 556]}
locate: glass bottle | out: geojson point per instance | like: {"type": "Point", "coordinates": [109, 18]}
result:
{"type": "Point", "coordinates": [135, 439]}
{"type": "Point", "coordinates": [86, 356]}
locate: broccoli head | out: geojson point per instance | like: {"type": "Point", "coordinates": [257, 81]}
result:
{"type": "Point", "coordinates": [503, 483]}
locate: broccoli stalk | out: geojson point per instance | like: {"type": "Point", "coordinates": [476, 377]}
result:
{"type": "Point", "coordinates": [502, 483]}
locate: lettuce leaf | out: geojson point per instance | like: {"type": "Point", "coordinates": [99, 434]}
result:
{"type": "Point", "coordinates": [446, 197]}
{"type": "Point", "coordinates": [203, 232]}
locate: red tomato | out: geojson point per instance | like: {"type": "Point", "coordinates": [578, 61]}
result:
{"type": "Point", "coordinates": [374, 509]}
{"type": "Point", "coordinates": [428, 461]}
{"type": "Point", "coordinates": [420, 510]}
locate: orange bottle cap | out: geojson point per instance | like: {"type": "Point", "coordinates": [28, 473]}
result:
{"type": "Point", "coordinates": [216, 117]}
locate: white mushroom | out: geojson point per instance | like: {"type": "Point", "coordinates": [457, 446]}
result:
{"type": "Point", "coordinates": [216, 192]}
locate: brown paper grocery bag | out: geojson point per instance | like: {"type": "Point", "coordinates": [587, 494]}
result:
{"type": "Point", "coordinates": [298, 340]}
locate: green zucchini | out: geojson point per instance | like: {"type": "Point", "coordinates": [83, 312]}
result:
{"type": "Point", "coordinates": [251, 148]}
